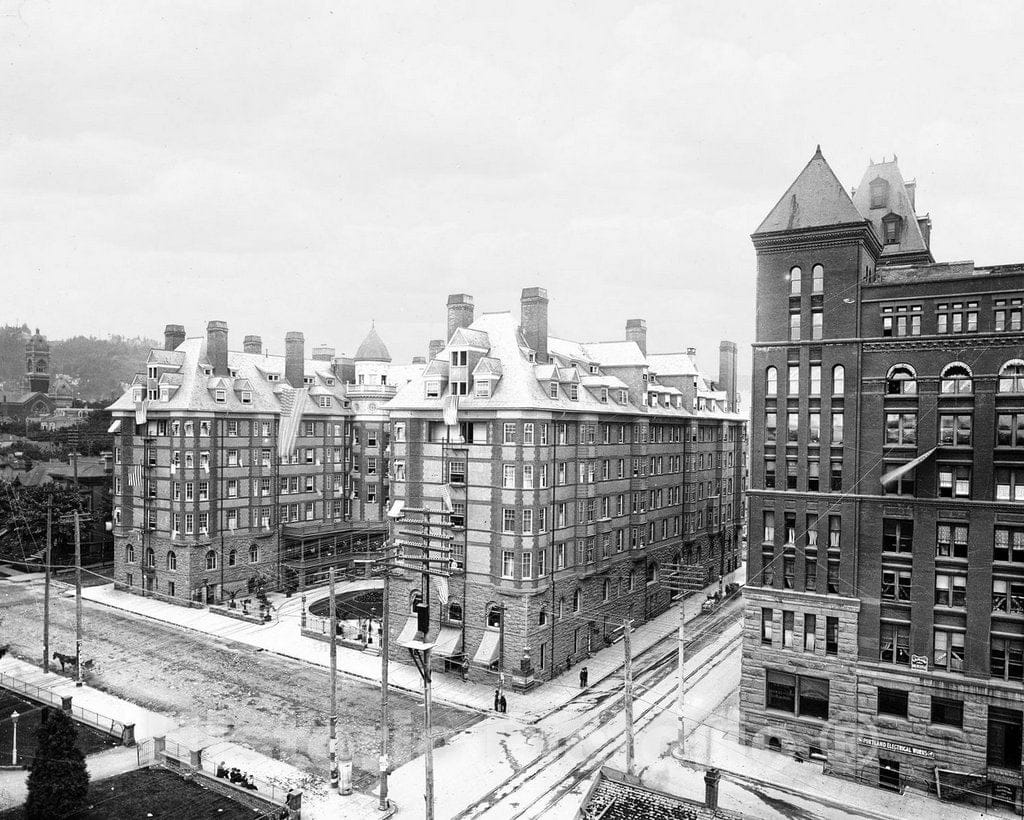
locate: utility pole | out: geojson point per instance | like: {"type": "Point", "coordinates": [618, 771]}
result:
{"type": "Point", "coordinates": [674, 581]}
{"type": "Point", "coordinates": [627, 691]}
{"type": "Point", "coordinates": [394, 514]}
{"type": "Point", "coordinates": [332, 745]}
{"type": "Point", "coordinates": [78, 599]}
{"type": "Point", "coordinates": [46, 588]}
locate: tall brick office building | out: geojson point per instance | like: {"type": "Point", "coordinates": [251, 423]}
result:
{"type": "Point", "coordinates": [235, 468]}
{"type": "Point", "coordinates": [578, 474]}
{"type": "Point", "coordinates": [884, 624]}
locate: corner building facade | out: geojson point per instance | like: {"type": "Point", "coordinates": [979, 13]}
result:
{"type": "Point", "coordinates": [579, 475]}
{"type": "Point", "coordinates": [234, 470]}
{"type": "Point", "coordinates": [884, 612]}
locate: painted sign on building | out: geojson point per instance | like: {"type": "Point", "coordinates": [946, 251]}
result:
{"type": "Point", "coordinates": [892, 746]}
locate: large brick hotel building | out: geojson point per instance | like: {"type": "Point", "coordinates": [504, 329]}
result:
{"type": "Point", "coordinates": [884, 625]}
{"type": "Point", "coordinates": [579, 475]}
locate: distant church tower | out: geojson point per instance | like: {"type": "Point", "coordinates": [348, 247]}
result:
{"type": "Point", "coordinates": [37, 364]}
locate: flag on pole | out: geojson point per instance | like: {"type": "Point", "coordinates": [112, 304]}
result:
{"type": "Point", "coordinates": [450, 410]}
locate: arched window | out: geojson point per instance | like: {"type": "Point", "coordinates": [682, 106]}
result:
{"type": "Point", "coordinates": [606, 589]}
{"type": "Point", "coordinates": [838, 380]}
{"type": "Point", "coordinates": [901, 381]}
{"type": "Point", "coordinates": [652, 572]}
{"type": "Point", "coordinates": [1011, 377]}
{"type": "Point", "coordinates": [494, 616]}
{"type": "Point", "coordinates": [129, 553]}
{"type": "Point", "coordinates": [211, 560]}
{"type": "Point", "coordinates": [150, 558]}
{"type": "Point", "coordinates": [254, 554]}
{"type": "Point", "coordinates": [231, 558]}
{"type": "Point", "coordinates": [771, 381]}
{"type": "Point", "coordinates": [818, 279]}
{"type": "Point", "coordinates": [455, 611]}
{"type": "Point", "coordinates": [415, 597]}
{"type": "Point", "coordinates": [795, 275]}
{"type": "Point", "coordinates": [172, 560]}
{"type": "Point", "coordinates": [577, 600]}
{"type": "Point", "coordinates": [956, 378]}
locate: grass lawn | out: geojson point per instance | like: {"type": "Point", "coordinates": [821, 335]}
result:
{"type": "Point", "coordinates": [30, 716]}
{"type": "Point", "coordinates": [154, 793]}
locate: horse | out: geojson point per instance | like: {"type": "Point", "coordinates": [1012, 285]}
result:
{"type": "Point", "coordinates": [68, 660]}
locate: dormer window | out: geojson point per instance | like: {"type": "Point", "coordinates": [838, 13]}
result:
{"type": "Point", "coordinates": [273, 377]}
{"type": "Point", "coordinates": [307, 380]}
{"type": "Point", "coordinates": [137, 393]}
{"type": "Point", "coordinates": [553, 390]}
{"type": "Point", "coordinates": [220, 396]}
{"type": "Point", "coordinates": [433, 389]}
{"type": "Point", "coordinates": [879, 193]}
{"type": "Point", "coordinates": [325, 401]}
{"type": "Point", "coordinates": [459, 358]}
{"type": "Point", "coordinates": [329, 382]}
{"type": "Point", "coordinates": [892, 227]}
{"type": "Point", "coordinates": [531, 356]}
{"type": "Point", "coordinates": [151, 371]}
{"type": "Point", "coordinates": [234, 373]}
{"type": "Point", "coordinates": [165, 392]}
{"type": "Point", "coordinates": [604, 395]}
{"type": "Point", "coordinates": [623, 397]}
{"type": "Point", "coordinates": [595, 369]}
{"type": "Point", "coordinates": [207, 371]}
{"type": "Point", "coordinates": [574, 392]}
{"type": "Point", "coordinates": [246, 397]}
{"type": "Point", "coordinates": [482, 388]}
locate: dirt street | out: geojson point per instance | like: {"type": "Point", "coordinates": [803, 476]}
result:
{"type": "Point", "coordinates": [277, 706]}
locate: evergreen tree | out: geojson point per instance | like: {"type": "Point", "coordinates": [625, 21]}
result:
{"type": "Point", "coordinates": [58, 784]}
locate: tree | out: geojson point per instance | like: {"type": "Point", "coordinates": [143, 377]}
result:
{"type": "Point", "coordinates": [23, 520]}
{"type": "Point", "coordinates": [58, 785]}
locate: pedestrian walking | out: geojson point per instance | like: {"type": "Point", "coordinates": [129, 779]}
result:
{"type": "Point", "coordinates": [504, 704]}
{"type": "Point", "coordinates": [583, 678]}
{"type": "Point", "coordinates": [497, 700]}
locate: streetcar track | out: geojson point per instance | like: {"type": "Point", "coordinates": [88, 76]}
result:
{"type": "Point", "coordinates": [656, 671]}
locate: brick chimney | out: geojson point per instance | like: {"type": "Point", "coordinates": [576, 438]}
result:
{"type": "Point", "coordinates": [174, 335]}
{"type": "Point", "coordinates": [636, 331]}
{"type": "Point", "coordinates": [434, 348]}
{"type": "Point", "coordinates": [253, 344]}
{"type": "Point", "coordinates": [344, 369]}
{"type": "Point", "coordinates": [534, 320]}
{"type": "Point", "coordinates": [294, 358]}
{"type": "Point", "coordinates": [217, 346]}
{"type": "Point", "coordinates": [727, 372]}
{"type": "Point", "coordinates": [460, 311]}
{"type": "Point", "coordinates": [323, 353]}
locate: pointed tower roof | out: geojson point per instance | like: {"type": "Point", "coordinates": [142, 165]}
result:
{"type": "Point", "coordinates": [373, 348]}
{"type": "Point", "coordinates": [815, 199]}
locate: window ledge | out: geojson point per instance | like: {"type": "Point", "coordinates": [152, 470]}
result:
{"type": "Point", "coordinates": [945, 732]}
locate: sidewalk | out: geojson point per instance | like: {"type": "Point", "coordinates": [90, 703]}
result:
{"type": "Point", "coordinates": [147, 724]}
{"type": "Point", "coordinates": [282, 636]}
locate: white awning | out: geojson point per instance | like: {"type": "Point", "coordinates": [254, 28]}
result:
{"type": "Point", "coordinates": [487, 654]}
{"type": "Point", "coordinates": [903, 469]}
{"type": "Point", "coordinates": [408, 633]}
{"type": "Point", "coordinates": [449, 642]}
{"type": "Point", "coordinates": [115, 427]}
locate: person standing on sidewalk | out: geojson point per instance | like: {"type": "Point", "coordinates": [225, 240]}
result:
{"type": "Point", "coordinates": [497, 700]}
{"type": "Point", "coordinates": [504, 704]}
{"type": "Point", "coordinates": [583, 678]}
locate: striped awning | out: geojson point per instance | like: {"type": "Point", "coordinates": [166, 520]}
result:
{"type": "Point", "coordinates": [487, 654]}
{"type": "Point", "coordinates": [449, 642]}
{"type": "Point", "coordinates": [898, 472]}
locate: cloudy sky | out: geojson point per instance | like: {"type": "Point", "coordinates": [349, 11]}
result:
{"type": "Point", "coordinates": [313, 166]}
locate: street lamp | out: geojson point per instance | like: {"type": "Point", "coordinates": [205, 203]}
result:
{"type": "Point", "coordinates": [14, 744]}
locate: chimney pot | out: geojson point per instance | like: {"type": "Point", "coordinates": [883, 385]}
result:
{"type": "Point", "coordinates": [711, 778]}
{"type": "Point", "coordinates": [252, 344]}
{"type": "Point", "coordinates": [323, 353]}
{"type": "Point", "coordinates": [295, 358]}
{"type": "Point", "coordinates": [217, 346]}
{"type": "Point", "coordinates": [727, 372]}
{"type": "Point", "coordinates": [460, 311]}
{"type": "Point", "coordinates": [174, 335]}
{"type": "Point", "coordinates": [534, 321]}
{"type": "Point", "coordinates": [636, 331]}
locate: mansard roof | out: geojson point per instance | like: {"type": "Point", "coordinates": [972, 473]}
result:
{"type": "Point", "coordinates": [898, 202]}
